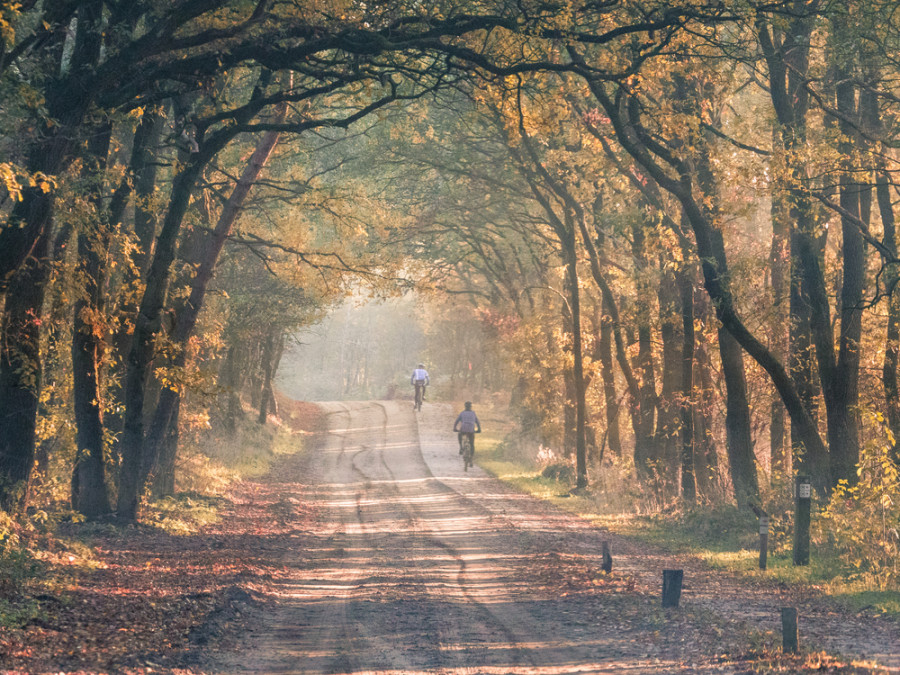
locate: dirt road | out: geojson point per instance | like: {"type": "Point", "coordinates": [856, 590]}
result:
{"type": "Point", "coordinates": [410, 565]}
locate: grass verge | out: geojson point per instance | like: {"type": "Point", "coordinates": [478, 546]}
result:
{"type": "Point", "coordinates": [722, 537]}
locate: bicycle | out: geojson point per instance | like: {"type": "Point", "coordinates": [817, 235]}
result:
{"type": "Point", "coordinates": [420, 395]}
{"type": "Point", "coordinates": [467, 451]}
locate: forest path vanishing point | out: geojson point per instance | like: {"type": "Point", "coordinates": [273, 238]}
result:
{"type": "Point", "coordinates": [406, 564]}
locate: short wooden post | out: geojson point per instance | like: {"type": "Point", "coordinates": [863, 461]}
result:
{"type": "Point", "coordinates": [671, 590]}
{"type": "Point", "coordinates": [606, 566]}
{"type": "Point", "coordinates": [790, 630]}
{"type": "Point", "coordinates": [763, 541]}
{"type": "Point", "coordinates": [802, 507]}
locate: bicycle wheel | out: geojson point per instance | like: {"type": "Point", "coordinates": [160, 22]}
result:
{"type": "Point", "coordinates": [467, 452]}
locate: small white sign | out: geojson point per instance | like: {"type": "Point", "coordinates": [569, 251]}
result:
{"type": "Point", "coordinates": [764, 525]}
{"type": "Point", "coordinates": [804, 491]}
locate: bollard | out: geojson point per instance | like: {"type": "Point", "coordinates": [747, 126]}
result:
{"type": "Point", "coordinates": [606, 566]}
{"type": "Point", "coordinates": [802, 506]}
{"type": "Point", "coordinates": [763, 541]}
{"type": "Point", "coordinates": [671, 590]}
{"type": "Point", "coordinates": [790, 630]}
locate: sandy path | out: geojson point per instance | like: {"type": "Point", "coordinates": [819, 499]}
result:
{"type": "Point", "coordinates": [413, 566]}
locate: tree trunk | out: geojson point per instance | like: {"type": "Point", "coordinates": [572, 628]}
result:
{"type": "Point", "coordinates": [140, 357]}
{"type": "Point", "coordinates": [24, 247]}
{"type": "Point", "coordinates": [20, 375]}
{"type": "Point", "coordinates": [89, 494]}
{"type": "Point", "coordinates": [611, 400]}
{"type": "Point", "coordinates": [843, 391]}
{"type": "Point", "coordinates": [668, 428]}
{"type": "Point", "coordinates": [892, 336]}
{"type": "Point", "coordinates": [802, 365]}
{"type": "Point", "coordinates": [144, 169]}
{"type": "Point", "coordinates": [646, 454]}
{"type": "Point", "coordinates": [688, 480]}
{"type": "Point", "coordinates": [163, 479]}
{"type": "Point", "coordinates": [268, 365]}
{"type": "Point", "coordinates": [570, 426]}
{"type": "Point", "coordinates": [779, 268]}
{"type": "Point", "coordinates": [706, 457]}
{"type": "Point", "coordinates": [711, 247]}
{"type": "Point", "coordinates": [55, 371]}
{"type": "Point", "coordinates": [786, 49]}
{"type": "Point", "coordinates": [229, 401]}
{"type": "Point", "coordinates": [738, 440]}
{"type": "Point", "coordinates": [578, 354]}
{"type": "Point", "coordinates": [143, 172]}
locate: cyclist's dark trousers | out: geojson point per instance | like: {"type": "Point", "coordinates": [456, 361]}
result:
{"type": "Point", "coordinates": [422, 386]}
{"type": "Point", "coordinates": [471, 435]}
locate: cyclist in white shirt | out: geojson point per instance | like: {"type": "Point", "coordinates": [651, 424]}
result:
{"type": "Point", "coordinates": [420, 379]}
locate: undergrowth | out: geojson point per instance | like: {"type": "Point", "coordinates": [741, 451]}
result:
{"type": "Point", "coordinates": [855, 558]}
{"type": "Point", "coordinates": [43, 552]}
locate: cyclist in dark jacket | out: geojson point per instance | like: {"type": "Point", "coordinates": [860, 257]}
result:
{"type": "Point", "coordinates": [467, 423]}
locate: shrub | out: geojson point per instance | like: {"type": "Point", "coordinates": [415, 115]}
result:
{"type": "Point", "coordinates": [554, 466]}
{"type": "Point", "coordinates": [17, 568]}
{"type": "Point", "coordinates": [862, 522]}
{"type": "Point", "coordinates": [559, 471]}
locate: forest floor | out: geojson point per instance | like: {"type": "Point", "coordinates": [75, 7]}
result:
{"type": "Point", "coordinates": [375, 552]}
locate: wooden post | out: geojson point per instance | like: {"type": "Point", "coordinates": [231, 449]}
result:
{"type": "Point", "coordinates": [607, 558]}
{"type": "Point", "coordinates": [671, 591]}
{"type": "Point", "coordinates": [802, 507]}
{"type": "Point", "coordinates": [763, 541]}
{"type": "Point", "coordinates": [790, 630]}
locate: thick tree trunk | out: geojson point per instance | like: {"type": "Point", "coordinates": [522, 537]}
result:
{"type": "Point", "coordinates": [803, 356]}
{"type": "Point", "coordinates": [711, 247]}
{"type": "Point", "coordinates": [24, 247]}
{"type": "Point", "coordinates": [147, 325]}
{"type": "Point", "coordinates": [89, 494]}
{"type": "Point", "coordinates": [20, 374]}
{"type": "Point", "coordinates": [738, 440]}
{"type": "Point", "coordinates": [143, 170]}
{"type": "Point", "coordinates": [55, 372]}
{"type": "Point", "coordinates": [843, 391]}
{"type": "Point", "coordinates": [163, 483]}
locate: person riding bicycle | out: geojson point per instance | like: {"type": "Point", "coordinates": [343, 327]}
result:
{"type": "Point", "coordinates": [420, 379]}
{"type": "Point", "coordinates": [467, 424]}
